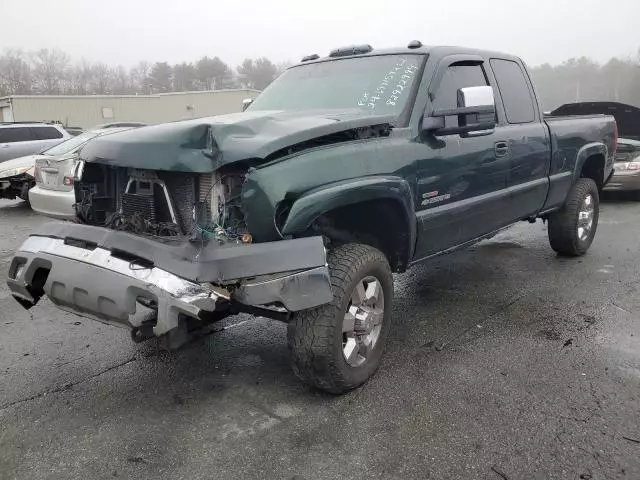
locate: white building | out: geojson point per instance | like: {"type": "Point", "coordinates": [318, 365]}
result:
{"type": "Point", "coordinates": [86, 111]}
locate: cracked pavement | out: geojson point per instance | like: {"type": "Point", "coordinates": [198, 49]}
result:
{"type": "Point", "coordinates": [504, 361]}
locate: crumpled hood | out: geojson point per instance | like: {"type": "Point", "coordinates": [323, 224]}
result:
{"type": "Point", "coordinates": [205, 144]}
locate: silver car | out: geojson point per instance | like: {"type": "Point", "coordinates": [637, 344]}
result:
{"type": "Point", "coordinates": [627, 167]}
{"type": "Point", "coordinates": [55, 171]}
{"type": "Point", "coordinates": [21, 139]}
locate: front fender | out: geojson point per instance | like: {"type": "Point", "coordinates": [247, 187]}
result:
{"type": "Point", "coordinates": [348, 192]}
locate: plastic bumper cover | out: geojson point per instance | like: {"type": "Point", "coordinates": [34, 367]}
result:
{"type": "Point", "coordinates": [53, 203]}
{"type": "Point", "coordinates": [94, 283]}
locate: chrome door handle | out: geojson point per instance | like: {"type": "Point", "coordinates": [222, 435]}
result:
{"type": "Point", "coordinates": [501, 149]}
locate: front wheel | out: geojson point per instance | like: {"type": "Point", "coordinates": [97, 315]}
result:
{"type": "Point", "coordinates": [573, 227]}
{"type": "Point", "coordinates": [338, 346]}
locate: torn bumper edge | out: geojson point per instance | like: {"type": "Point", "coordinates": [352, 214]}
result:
{"type": "Point", "coordinates": [97, 285]}
{"type": "Point", "coordinates": [16, 187]}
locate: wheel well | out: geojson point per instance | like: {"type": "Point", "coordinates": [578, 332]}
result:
{"type": "Point", "coordinates": [593, 168]}
{"type": "Point", "coordinates": [383, 224]}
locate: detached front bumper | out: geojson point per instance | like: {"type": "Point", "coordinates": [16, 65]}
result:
{"type": "Point", "coordinates": [92, 283]}
{"type": "Point", "coordinates": [118, 287]}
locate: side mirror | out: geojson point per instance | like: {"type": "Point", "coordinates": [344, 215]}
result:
{"type": "Point", "coordinates": [476, 112]}
{"type": "Point", "coordinates": [476, 97]}
{"type": "Point", "coordinates": [246, 102]}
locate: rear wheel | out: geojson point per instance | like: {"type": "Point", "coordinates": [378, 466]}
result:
{"type": "Point", "coordinates": [338, 346]}
{"type": "Point", "coordinates": [573, 227]}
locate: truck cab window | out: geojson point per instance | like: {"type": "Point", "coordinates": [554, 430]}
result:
{"type": "Point", "coordinates": [514, 90]}
{"type": "Point", "coordinates": [457, 77]}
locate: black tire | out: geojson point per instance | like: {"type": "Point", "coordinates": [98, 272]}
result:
{"type": "Point", "coordinates": [563, 224]}
{"type": "Point", "coordinates": [315, 336]}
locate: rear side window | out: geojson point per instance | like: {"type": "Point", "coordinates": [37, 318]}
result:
{"type": "Point", "coordinates": [514, 90]}
{"type": "Point", "coordinates": [15, 134]}
{"type": "Point", "coordinates": [46, 133]}
{"type": "Point", "coordinates": [457, 77]}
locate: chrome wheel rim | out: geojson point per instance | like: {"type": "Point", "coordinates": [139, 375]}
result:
{"type": "Point", "coordinates": [585, 218]}
{"type": "Point", "coordinates": [362, 322]}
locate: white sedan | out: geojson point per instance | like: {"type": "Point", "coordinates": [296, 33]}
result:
{"type": "Point", "coordinates": [16, 177]}
{"type": "Point", "coordinates": [54, 173]}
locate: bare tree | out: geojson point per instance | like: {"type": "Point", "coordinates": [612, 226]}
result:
{"type": "Point", "coordinates": [121, 81]}
{"type": "Point", "coordinates": [79, 78]}
{"type": "Point", "coordinates": [15, 73]}
{"type": "Point", "coordinates": [101, 79]}
{"type": "Point", "coordinates": [49, 70]}
{"type": "Point", "coordinates": [140, 78]}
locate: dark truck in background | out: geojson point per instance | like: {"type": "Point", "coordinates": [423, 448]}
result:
{"type": "Point", "coordinates": [345, 169]}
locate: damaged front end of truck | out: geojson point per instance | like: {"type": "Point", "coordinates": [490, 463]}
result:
{"type": "Point", "coordinates": [161, 244]}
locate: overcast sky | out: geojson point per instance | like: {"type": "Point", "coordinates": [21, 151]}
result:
{"type": "Point", "coordinates": [126, 31]}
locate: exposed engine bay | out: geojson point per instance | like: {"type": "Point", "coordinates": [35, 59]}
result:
{"type": "Point", "coordinates": [16, 187]}
{"type": "Point", "coordinates": [168, 204]}
{"type": "Point", "coordinates": [163, 204]}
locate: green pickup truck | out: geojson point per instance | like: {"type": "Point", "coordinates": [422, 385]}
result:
{"type": "Point", "coordinates": [344, 170]}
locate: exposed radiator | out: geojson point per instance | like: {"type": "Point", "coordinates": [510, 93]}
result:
{"type": "Point", "coordinates": [206, 181]}
{"type": "Point", "coordinates": [182, 190]}
{"type": "Point", "coordinates": [141, 204]}
{"type": "Point", "coordinates": [209, 192]}
{"type": "Point", "coordinates": [160, 202]}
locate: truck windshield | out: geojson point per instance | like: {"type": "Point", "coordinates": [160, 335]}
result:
{"type": "Point", "coordinates": [380, 85]}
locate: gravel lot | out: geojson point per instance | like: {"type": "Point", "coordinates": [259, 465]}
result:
{"type": "Point", "coordinates": [505, 362]}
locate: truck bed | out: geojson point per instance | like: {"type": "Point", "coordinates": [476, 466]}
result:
{"type": "Point", "coordinates": [573, 139]}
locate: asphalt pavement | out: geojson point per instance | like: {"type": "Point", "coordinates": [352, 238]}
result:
{"type": "Point", "coordinates": [504, 362]}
